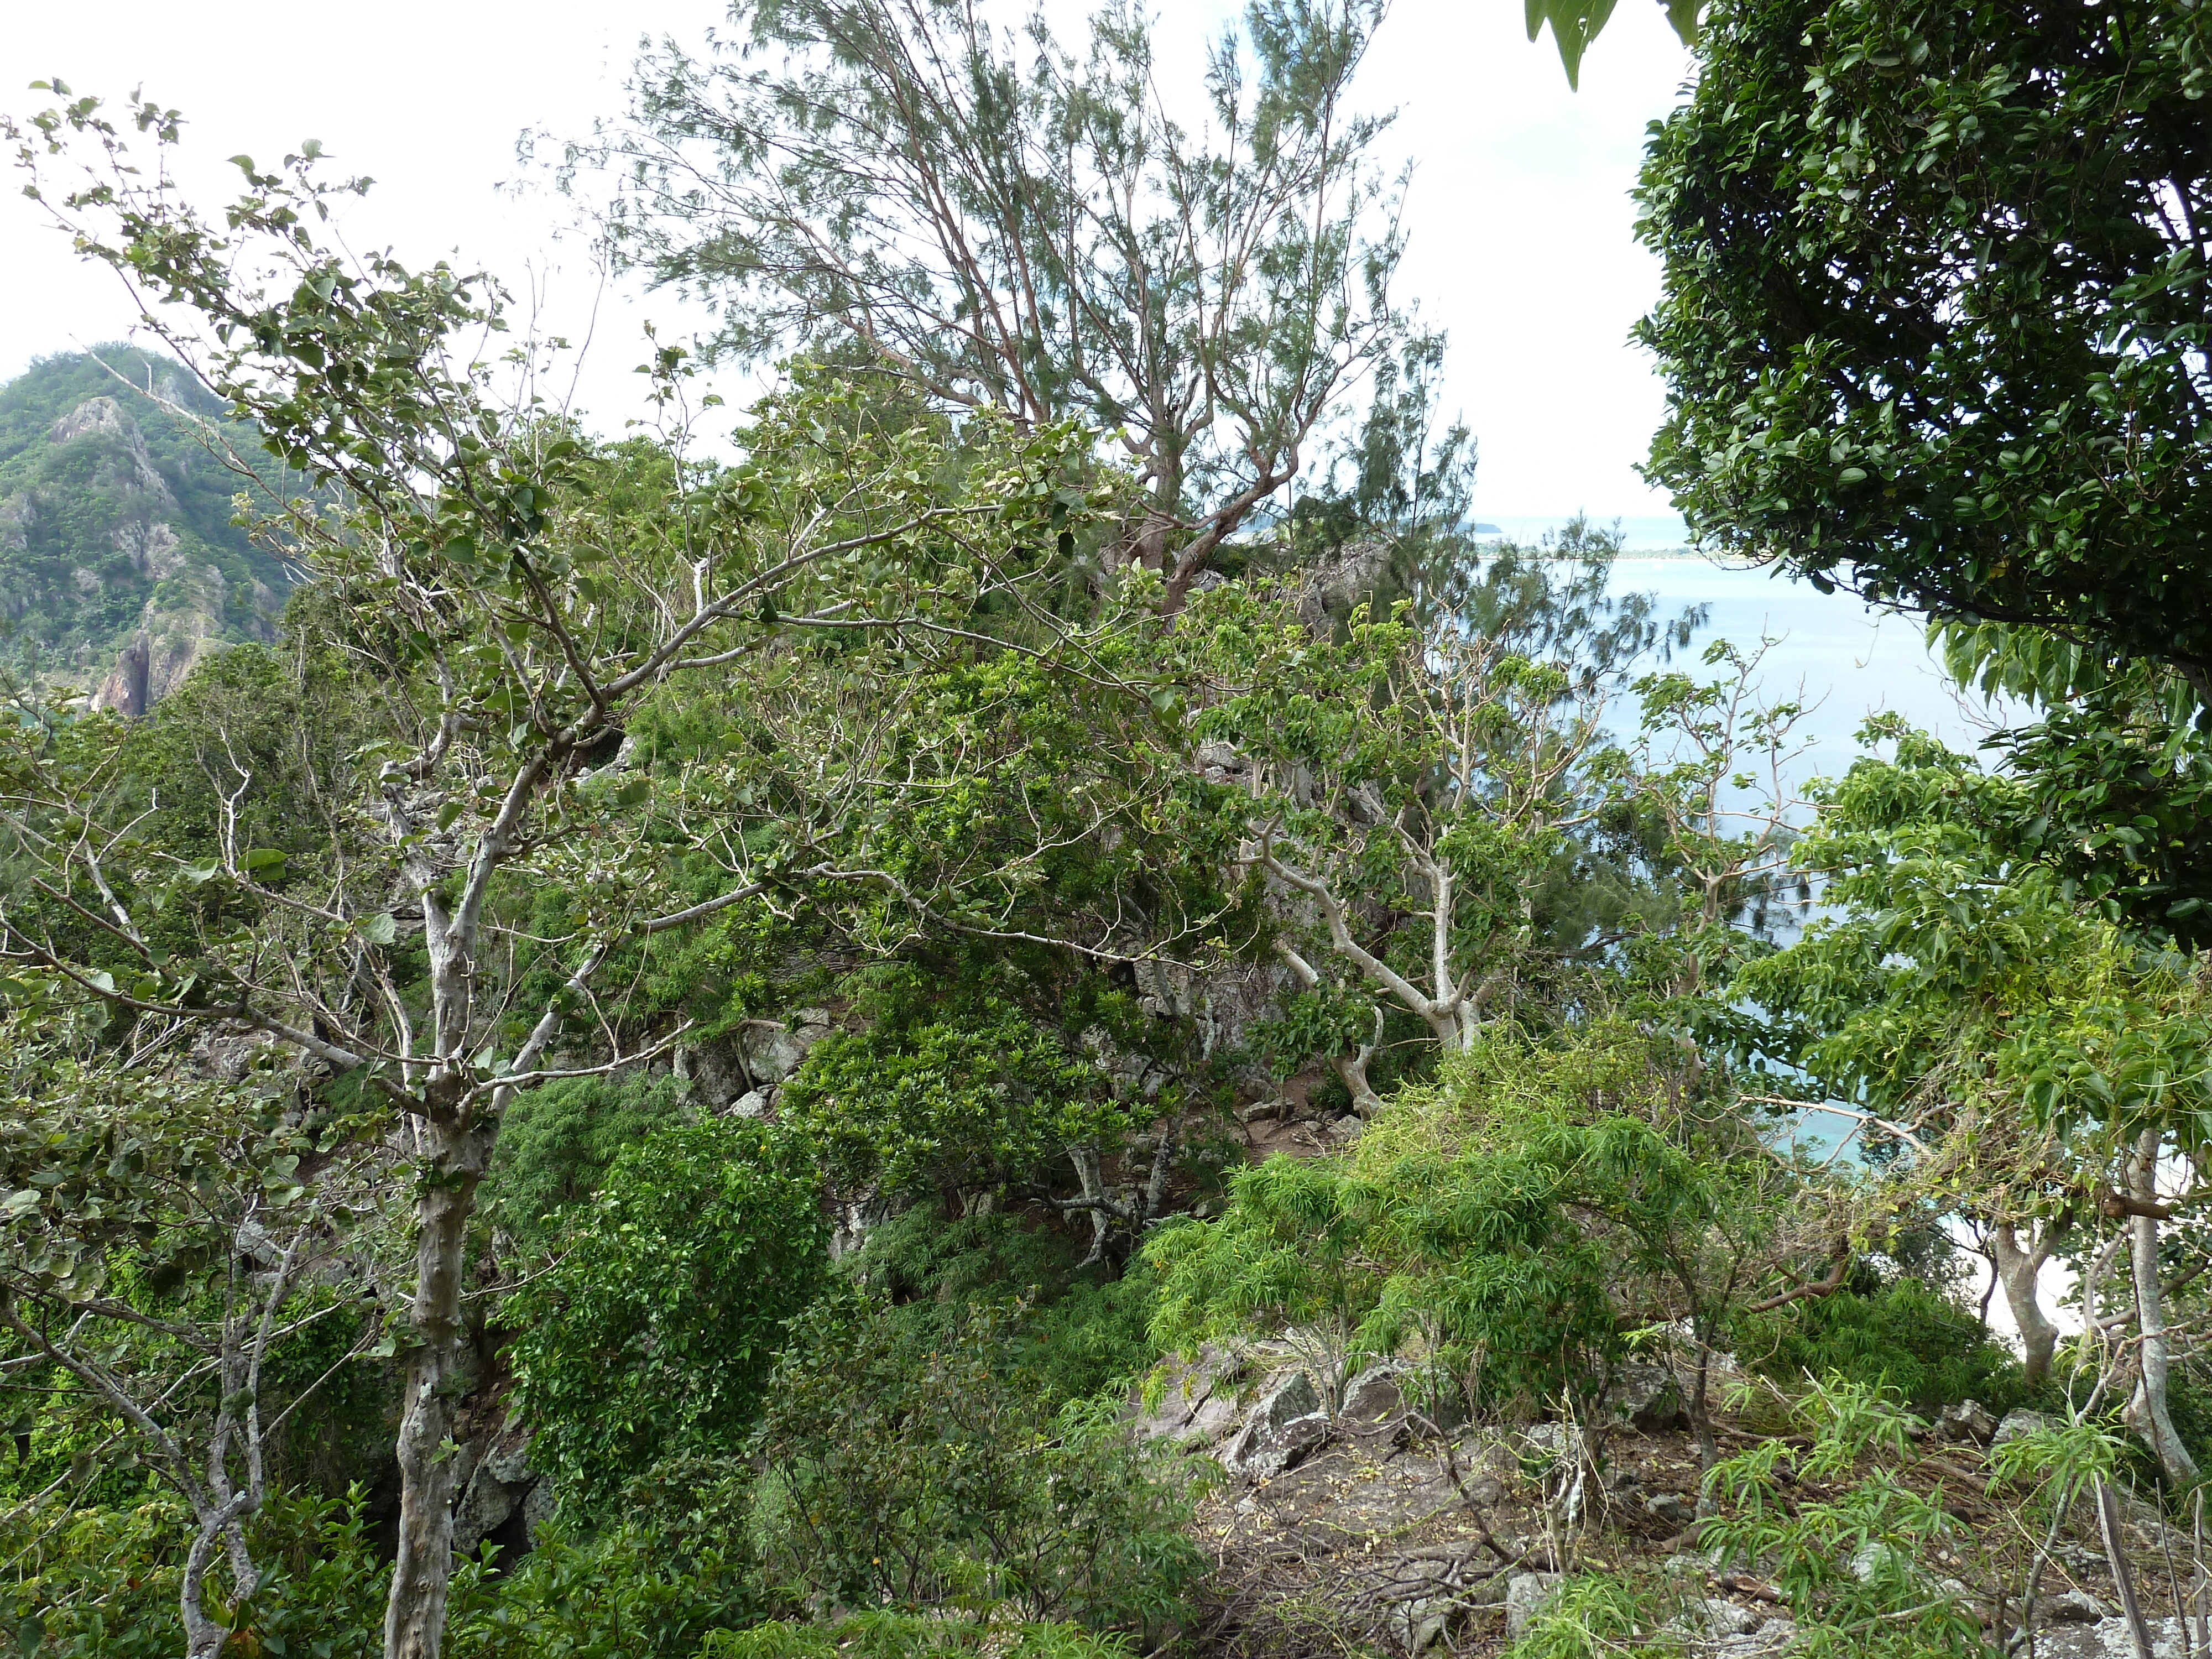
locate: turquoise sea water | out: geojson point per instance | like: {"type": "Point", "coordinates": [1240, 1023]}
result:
{"type": "Point", "coordinates": [1844, 658]}
{"type": "Point", "coordinates": [1851, 660]}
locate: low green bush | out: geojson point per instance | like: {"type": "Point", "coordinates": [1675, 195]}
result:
{"type": "Point", "coordinates": [630, 1590]}
{"type": "Point", "coordinates": [101, 1583]}
{"type": "Point", "coordinates": [910, 1470]}
{"type": "Point", "coordinates": [906, 1636]}
{"type": "Point", "coordinates": [1084, 1329]}
{"type": "Point", "coordinates": [557, 1142]}
{"type": "Point", "coordinates": [1903, 1336]}
{"type": "Point", "coordinates": [651, 1335]}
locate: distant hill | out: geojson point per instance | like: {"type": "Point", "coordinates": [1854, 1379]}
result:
{"type": "Point", "coordinates": [119, 566]}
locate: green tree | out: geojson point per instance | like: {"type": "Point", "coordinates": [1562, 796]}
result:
{"type": "Point", "coordinates": [1934, 320]}
{"type": "Point", "coordinates": [903, 1473]}
{"type": "Point", "coordinates": [652, 1334]}
{"type": "Point", "coordinates": [558, 1142]}
{"type": "Point", "coordinates": [1419, 798]}
{"type": "Point", "coordinates": [519, 595]}
{"type": "Point", "coordinates": [1002, 224]}
{"type": "Point", "coordinates": [160, 1241]}
{"type": "Point", "coordinates": [2036, 1061]}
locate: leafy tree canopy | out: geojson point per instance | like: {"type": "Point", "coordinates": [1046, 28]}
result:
{"type": "Point", "coordinates": [1934, 312]}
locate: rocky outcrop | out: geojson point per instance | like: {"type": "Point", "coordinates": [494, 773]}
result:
{"type": "Point", "coordinates": [501, 1497]}
{"type": "Point", "coordinates": [127, 691]}
{"type": "Point", "coordinates": [1342, 580]}
{"type": "Point", "coordinates": [2109, 1638]}
{"type": "Point", "coordinates": [1191, 1402]}
{"type": "Point", "coordinates": [741, 1072]}
{"type": "Point", "coordinates": [2018, 1425]}
{"type": "Point", "coordinates": [129, 465]}
{"type": "Point", "coordinates": [184, 635]}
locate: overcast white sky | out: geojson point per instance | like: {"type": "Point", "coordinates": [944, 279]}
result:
{"type": "Point", "coordinates": [1521, 243]}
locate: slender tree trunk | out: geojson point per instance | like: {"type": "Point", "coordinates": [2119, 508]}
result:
{"type": "Point", "coordinates": [1352, 1070]}
{"type": "Point", "coordinates": [437, 1373]}
{"type": "Point", "coordinates": [203, 1638]}
{"type": "Point", "coordinates": [2017, 1271]}
{"type": "Point", "coordinates": [2148, 1410]}
{"type": "Point", "coordinates": [1700, 1410]}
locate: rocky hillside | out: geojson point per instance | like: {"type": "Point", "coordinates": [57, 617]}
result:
{"type": "Point", "coordinates": [119, 565]}
{"type": "Point", "coordinates": [1372, 1528]}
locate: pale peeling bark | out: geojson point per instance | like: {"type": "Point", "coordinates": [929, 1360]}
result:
{"type": "Point", "coordinates": [2018, 1269]}
{"type": "Point", "coordinates": [437, 1373]}
{"type": "Point", "coordinates": [2148, 1410]}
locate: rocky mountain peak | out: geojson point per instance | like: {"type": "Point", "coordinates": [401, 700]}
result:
{"type": "Point", "coordinates": [102, 417]}
{"type": "Point", "coordinates": [119, 566]}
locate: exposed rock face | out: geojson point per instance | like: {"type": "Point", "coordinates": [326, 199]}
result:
{"type": "Point", "coordinates": [1644, 1397]}
{"type": "Point", "coordinates": [1526, 1596]}
{"type": "Point", "coordinates": [503, 1494]}
{"type": "Point", "coordinates": [770, 1051]}
{"type": "Point", "coordinates": [1967, 1420]}
{"type": "Point", "coordinates": [153, 549]}
{"type": "Point", "coordinates": [2108, 1638]}
{"type": "Point", "coordinates": [183, 636]}
{"type": "Point", "coordinates": [1197, 1402]}
{"type": "Point", "coordinates": [127, 689]}
{"type": "Point", "coordinates": [1375, 1397]}
{"type": "Point", "coordinates": [2018, 1424]}
{"type": "Point", "coordinates": [1338, 583]}
{"type": "Point", "coordinates": [129, 465]}
{"type": "Point", "coordinates": [1263, 1451]}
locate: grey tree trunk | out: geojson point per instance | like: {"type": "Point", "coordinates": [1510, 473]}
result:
{"type": "Point", "coordinates": [2017, 1271]}
{"type": "Point", "coordinates": [415, 1615]}
{"type": "Point", "coordinates": [2148, 1411]}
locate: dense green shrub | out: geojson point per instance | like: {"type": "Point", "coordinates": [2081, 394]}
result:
{"type": "Point", "coordinates": [1082, 1330]}
{"type": "Point", "coordinates": [1901, 1336]}
{"type": "Point", "coordinates": [627, 1591]}
{"type": "Point", "coordinates": [976, 1095]}
{"type": "Point", "coordinates": [1511, 1222]}
{"type": "Point", "coordinates": [906, 1636]}
{"type": "Point", "coordinates": [651, 1335]}
{"type": "Point", "coordinates": [1827, 1519]}
{"type": "Point", "coordinates": [102, 1583]}
{"type": "Point", "coordinates": [557, 1142]}
{"type": "Point", "coordinates": [1472, 1256]}
{"type": "Point", "coordinates": [906, 1471]}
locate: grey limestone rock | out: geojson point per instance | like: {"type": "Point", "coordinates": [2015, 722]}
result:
{"type": "Point", "coordinates": [1644, 1397]}
{"type": "Point", "coordinates": [1968, 1421]}
{"type": "Point", "coordinates": [2075, 1607]}
{"type": "Point", "coordinates": [1261, 1453]}
{"type": "Point", "coordinates": [537, 1508]}
{"type": "Point", "coordinates": [1375, 1395]}
{"type": "Point", "coordinates": [2108, 1638]}
{"type": "Point", "coordinates": [1292, 1396]}
{"type": "Point", "coordinates": [1196, 1402]}
{"type": "Point", "coordinates": [2017, 1425]}
{"type": "Point", "coordinates": [1526, 1593]}
{"type": "Point", "coordinates": [510, 1464]}
{"type": "Point", "coordinates": [1714, 1616]}
{"type": "Point", "coordinates": [484, 1507]}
